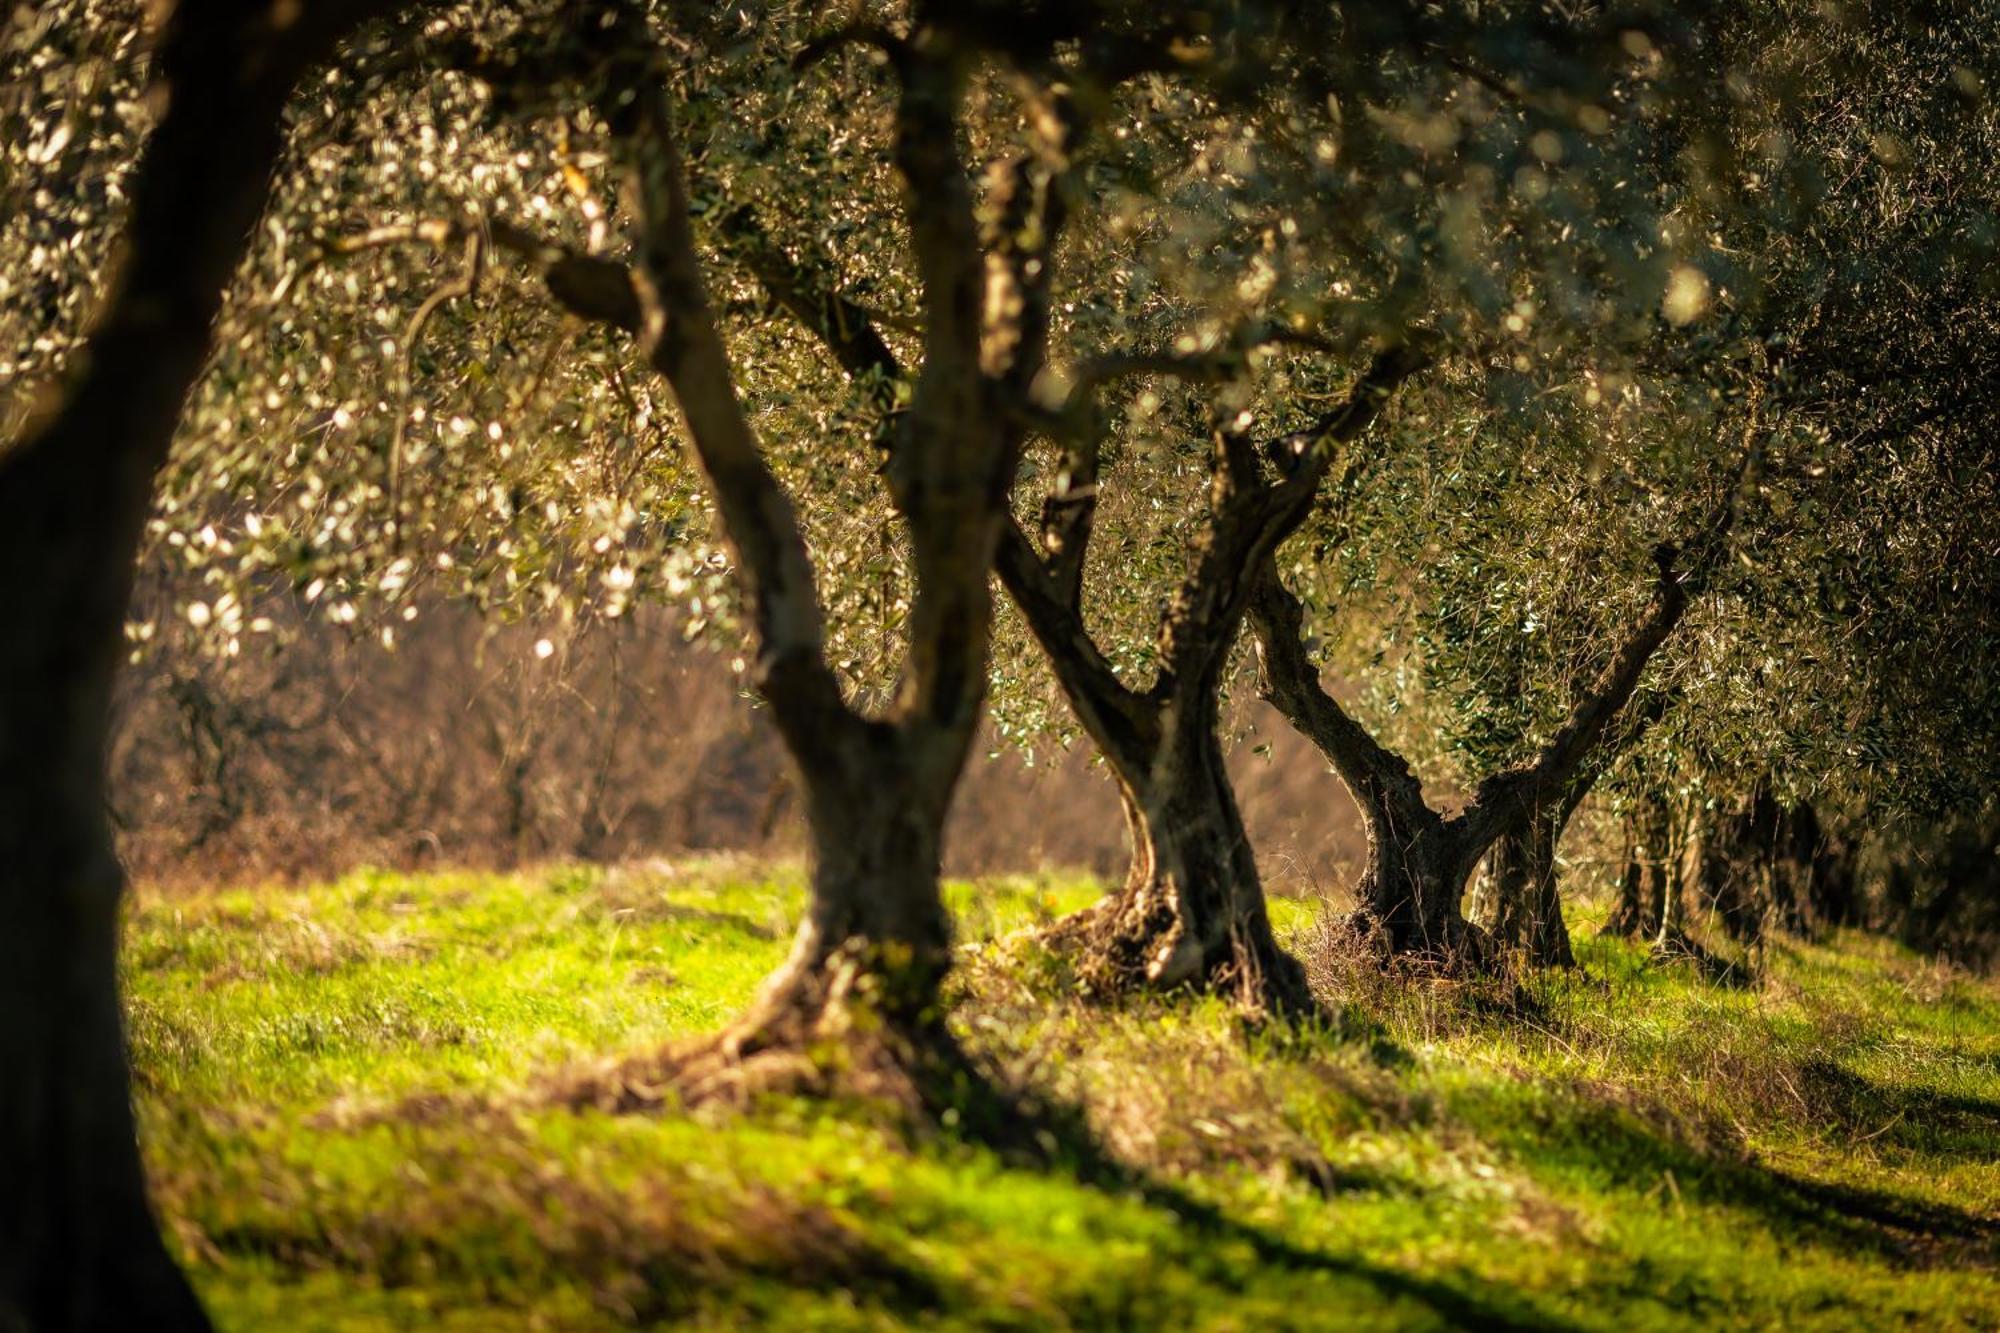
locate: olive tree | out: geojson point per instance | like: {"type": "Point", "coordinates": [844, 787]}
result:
{"type": "Point", "coordinates": [1783, 213]}
{"type": "Point", "coordinates": [977, 261]}
{"type": "Point", "coordinates": [78, 1245]}
{"type": "Point", "coordinates": [1842, 689]}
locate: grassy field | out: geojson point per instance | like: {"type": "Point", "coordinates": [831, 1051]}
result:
{"type": "Point", "coordinates": [345, 1096]}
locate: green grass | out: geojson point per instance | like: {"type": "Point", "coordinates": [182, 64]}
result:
{"type": "Point", "coordinates": [337, 1089]}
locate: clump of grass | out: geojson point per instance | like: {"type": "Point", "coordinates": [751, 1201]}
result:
{"type": "Point", "coordinates": [343, 1089]}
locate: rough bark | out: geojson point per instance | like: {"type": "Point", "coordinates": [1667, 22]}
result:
{"type": "Point", "coordinates": [1191, 910]}
{"type": "Point", "coordinates": [79, 1248]}
{"type": "Point", "coordinates": [1729, 876]}
{"type": "Point", "coordinates": [856, 1003]}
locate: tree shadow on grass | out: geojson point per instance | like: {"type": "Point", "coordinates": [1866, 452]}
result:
{"type": "Point", "coordinates": [1065, 1145]}
{"type": "Point", "coordinates": [1621, 1148]}
{"type": "Point", "coordinates": [1916, 1120]}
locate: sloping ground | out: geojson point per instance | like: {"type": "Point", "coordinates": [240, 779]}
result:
{"type": "Point", "coordinates": [344, 1095]}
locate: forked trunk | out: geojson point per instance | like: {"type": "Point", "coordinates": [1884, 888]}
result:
{"type": "Point", "coordinates": [1419, 861]}
{"type": "Point", "coordinates": [857, 1002]}
{"type": "Point", "coordinates": [1192, 908]}
{"type": "Point", "coordinates": [1517, 902]}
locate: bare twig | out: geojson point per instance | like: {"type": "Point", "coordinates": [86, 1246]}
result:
{"type": "Point", "coordinates": [463, 284]}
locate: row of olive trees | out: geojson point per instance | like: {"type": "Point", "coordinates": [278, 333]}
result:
{"type": "Point", "coordinates": [1331, 322]}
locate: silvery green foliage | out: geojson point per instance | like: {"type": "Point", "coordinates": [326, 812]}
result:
{"type": "Point", "coordinates": [73, 104]}
{"type": "Point", "coordinates": [1627, 229]}
{"type": "Point", "coordinates": [1848, 231]}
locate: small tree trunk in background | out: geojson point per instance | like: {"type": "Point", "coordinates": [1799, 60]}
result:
{"type": "Point", "coordinates": [1516, 900]}
{"type": "Point", "coordinates": [1629, 917]}
{"type": "Point", "coordinates": [1647, 886]}
{"type": "Point", "coordinates": [1831, 893]}
{"type": "Point", "coordinates": [1728, 874]}
{"type": "Point", "coordinates": [1821, 881]}
{"type": "Point", "coordinates": [1784, 878]}
{"type": "Point", "coordinates": [1667, 887]}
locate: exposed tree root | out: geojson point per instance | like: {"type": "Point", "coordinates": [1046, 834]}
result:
{"type": "Point", "coordinates": [1135, 941]}
{"type": "Point", "coordinates": [838, 1028]}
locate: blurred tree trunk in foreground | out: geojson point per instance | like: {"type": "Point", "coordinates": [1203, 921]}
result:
{"type": "Point", "coordinates": [79, 1248]}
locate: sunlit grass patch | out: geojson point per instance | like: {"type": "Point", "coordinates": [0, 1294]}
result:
{"type": "Point", "coordinates": [337, 1085]}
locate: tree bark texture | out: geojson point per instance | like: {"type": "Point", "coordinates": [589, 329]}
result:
{"type": "Point", "coordinates": [1191, 910]}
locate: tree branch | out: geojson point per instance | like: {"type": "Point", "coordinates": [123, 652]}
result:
{"type": "Point", "coordinates": [588, 286]}
{"type": "Point", "coordinates": [1115, 716]}
{"type": "Point", "coordinates": [853, 34]}
{"type": "Point", "coordinates": [1517, 793]}
{"type": "Point", "coordinates": [1288, 680]}
{"type": "Point", "coordinates": [944, 234]}
{"type": "Point", "coordinates": [459, 285]}
{"type": "Point", "coordinates": [1194, 365]}
{"type": "Point", "coordinates": [678, 334]}
{"type": "Point", "coordinates": [847, 330]}
{"type": "Point", "coordinates": [1249, 520]}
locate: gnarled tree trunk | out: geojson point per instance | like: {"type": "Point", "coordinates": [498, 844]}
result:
{"type": "Point", "coordinates": [1519, 901]}
{"type": "Point", "coordinates": [1414, 877]}
{"type": "Point", "coordinates": [1191, 910]}
{"type": "Point", "coordinates": [1418, 860]}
